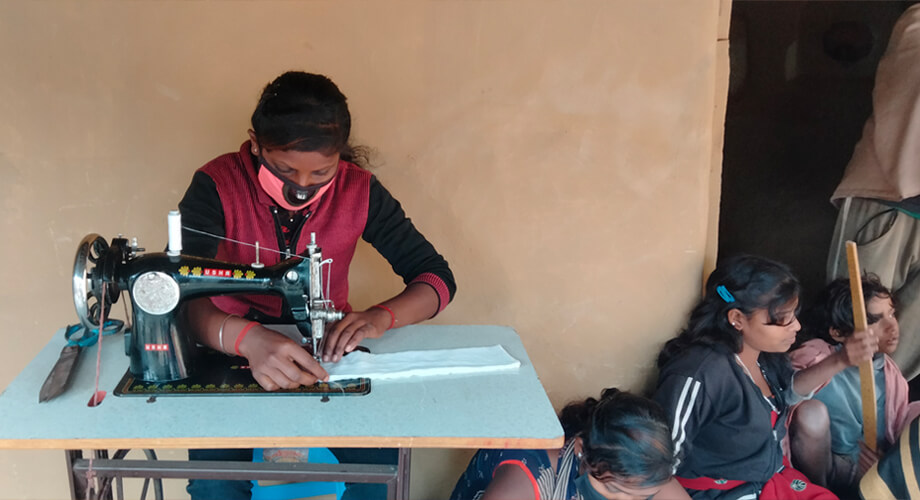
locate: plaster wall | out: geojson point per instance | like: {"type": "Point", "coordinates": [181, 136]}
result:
{"type": "Point", "coordinates": [559, 154]}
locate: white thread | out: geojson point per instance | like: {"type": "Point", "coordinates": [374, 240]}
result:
{"type": "Point", "coordinates": [327, 262]}
{"type": "Point", "coordinates": [337, 385]}
{"type": "Point", "coordinates": [261, 248]}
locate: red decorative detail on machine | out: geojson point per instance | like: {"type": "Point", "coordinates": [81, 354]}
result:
{"type": "Point", "coordinates": [218, 273]}
{"type": "Point", "coordinates": [156, 347]}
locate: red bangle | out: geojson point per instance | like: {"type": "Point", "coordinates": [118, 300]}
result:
{"type": "Point", "coordinates": [239, 338]}
{"type": "Point", "coordinates": [392, 314]}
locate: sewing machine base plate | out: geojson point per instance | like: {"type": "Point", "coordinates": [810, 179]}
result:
{"type": "Point", "coordinates": [220, 375]}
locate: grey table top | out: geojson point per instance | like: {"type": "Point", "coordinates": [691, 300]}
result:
{"type": "Point", "coordinates": [499, 410]}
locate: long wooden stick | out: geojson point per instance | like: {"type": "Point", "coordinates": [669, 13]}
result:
{"type": "Point", "coordinates": [860, 324]}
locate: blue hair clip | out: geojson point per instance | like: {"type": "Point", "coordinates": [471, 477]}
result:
{"type": "Point", "coordinates": [725, 294]}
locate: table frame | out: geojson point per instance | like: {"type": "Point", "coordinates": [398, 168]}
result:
{"type": "Point", "coordinates": [396, 478]}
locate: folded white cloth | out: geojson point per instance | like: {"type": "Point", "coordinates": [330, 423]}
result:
{"type": "Point", "coordinates": [435, 362]}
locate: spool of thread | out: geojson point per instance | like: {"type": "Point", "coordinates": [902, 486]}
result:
{"type": "Point", "coordinates": [174, 224]}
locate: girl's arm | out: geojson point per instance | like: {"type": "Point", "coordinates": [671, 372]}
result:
{"type": "Point", "coordinates": [276, 361]}
{"type": "Point", "coordinates": [672, 491]}
{"type": "Point", "coordinates": [429, 281]}
{"type": "Point", "coordinates": [416, 303]}
{"type": "Point", "coordinates": [511, 482]}
{"type": "Point", "coordinates": [857, 348]}
{"type": "Point", "coordinates": [687, 408]}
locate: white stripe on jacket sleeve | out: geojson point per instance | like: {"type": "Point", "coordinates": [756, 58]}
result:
{"type": "Point", "coordinates": [682, 415]}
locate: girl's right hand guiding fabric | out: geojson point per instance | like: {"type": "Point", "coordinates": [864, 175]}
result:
{"type": "Point", "coordinates": [278, 362]}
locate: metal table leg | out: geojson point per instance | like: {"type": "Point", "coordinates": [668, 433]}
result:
{"type": "Point", "coordinates": [77, 479]}
{"type": "Point", "coordinates": [403, 466]}
{"type": "Point", "coordinates": [77, 482]}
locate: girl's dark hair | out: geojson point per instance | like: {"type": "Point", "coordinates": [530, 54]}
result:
{"type": "Point", "coordinates": [305, 112]}
{"type": "Point", "coordinates": [833, 307]}
{"type": "Point", "coordinates": [624, 437]}
{"type": "Point", "coordinates": [743, 282]}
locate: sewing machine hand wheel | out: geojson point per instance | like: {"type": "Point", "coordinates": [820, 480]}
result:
{"type": "Point", "coordinates": [88, 269]}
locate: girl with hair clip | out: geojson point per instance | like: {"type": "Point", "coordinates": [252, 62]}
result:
{"type": "Point", "coordinates": [727, 384]}
{"type": "Point", "coordinates": [826, 432]}
{"type": "Point", "coordinates": [299, 174]}
{"type": "Point", "coordinates": [618, 448]}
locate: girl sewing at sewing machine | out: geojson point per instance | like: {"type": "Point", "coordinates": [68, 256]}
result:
{"type": "Point", "coordinates": [298, 174]}
{"type": "Point", "coordinates": [727, 384]}
{"type": "Point", "coordinates": [618, 448]}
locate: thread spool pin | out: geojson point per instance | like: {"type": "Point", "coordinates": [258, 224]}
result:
{"type": "Point", "coordinates": [257, 264]}
{"type": "Point", "coordinates": [174, 223]}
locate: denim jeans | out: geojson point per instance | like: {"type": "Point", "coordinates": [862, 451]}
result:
{"type": "Point", "coordinates": [206, 489]}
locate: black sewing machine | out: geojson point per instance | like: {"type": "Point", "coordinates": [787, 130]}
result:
{"type": "Point", "coordinates": [158, 284]}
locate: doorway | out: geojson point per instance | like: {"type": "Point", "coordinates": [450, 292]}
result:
{"type": "Point", "coordinates": [799, 93]}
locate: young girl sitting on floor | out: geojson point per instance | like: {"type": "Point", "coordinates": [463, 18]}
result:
{"type": "Point", "coordinates": [616, 448]}
{"type": "Point", "coordinates": [826, 433]}
{"type": "Point", "coordinates": [727, 384]}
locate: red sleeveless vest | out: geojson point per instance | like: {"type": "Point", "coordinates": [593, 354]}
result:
{"type": "Point", "coordinates": [338, 218]}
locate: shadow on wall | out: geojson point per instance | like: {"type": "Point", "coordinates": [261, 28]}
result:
{"type": "Point", "coordinates": [800, 90]}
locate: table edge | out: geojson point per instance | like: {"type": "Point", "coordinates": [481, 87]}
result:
{"type": "Point", "coordinates": [284, 442]}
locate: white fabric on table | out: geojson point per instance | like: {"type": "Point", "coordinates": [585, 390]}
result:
{"type": "Point", "coordinates": [435, 362]}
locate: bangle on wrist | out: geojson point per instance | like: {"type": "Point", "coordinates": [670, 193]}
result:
{"type": "Point", "coordinates": [239, 338]}
{"type": "Point", "coordinates": [220, 333]}
{"type": "Point", "coordinates": [392, 315]}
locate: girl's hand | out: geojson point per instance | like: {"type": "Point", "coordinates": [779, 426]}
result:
{"type": "Point", "coordinates": [859, 347]}
{"type": "Point", "coordinates": [347, 333]}
{"type": "Point", "coordinates": [278, 362]}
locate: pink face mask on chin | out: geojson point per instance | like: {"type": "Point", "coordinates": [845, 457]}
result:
{"type": "Point", "coordinates": [287, 194]}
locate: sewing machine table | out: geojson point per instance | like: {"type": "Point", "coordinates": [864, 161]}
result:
{"type": "Point", "coordinates": [501, 410]}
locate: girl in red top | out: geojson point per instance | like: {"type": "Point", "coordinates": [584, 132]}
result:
{"type": "Point", "coordinates": [296, 175]}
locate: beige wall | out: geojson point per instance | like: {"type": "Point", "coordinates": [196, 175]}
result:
{"type": "Point", "coordinates": [559, 154]}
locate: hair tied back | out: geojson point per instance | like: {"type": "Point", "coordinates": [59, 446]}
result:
{"type": "Point", "coordinates": [725, 294]}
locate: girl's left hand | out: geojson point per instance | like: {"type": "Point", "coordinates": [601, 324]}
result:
{"type": "Point", "coordinates": [347, 333]}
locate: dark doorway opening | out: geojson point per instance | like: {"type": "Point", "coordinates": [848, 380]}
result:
{"type": "Point", "coordinates": [799, 93]}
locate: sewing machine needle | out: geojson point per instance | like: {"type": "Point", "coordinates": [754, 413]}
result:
{"type": "Point", "coordinates": [60, 375]}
